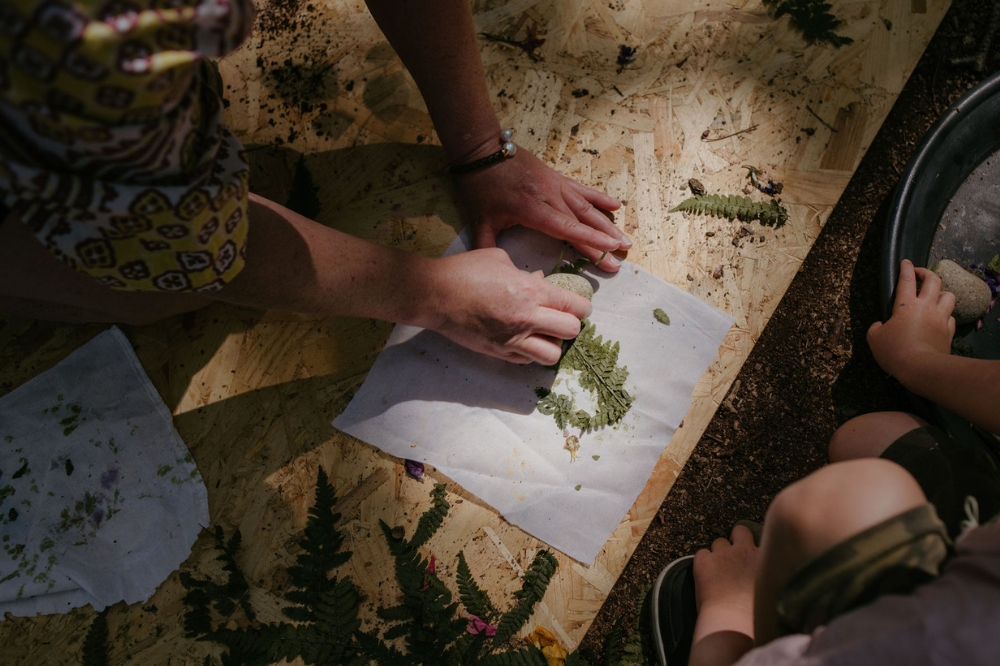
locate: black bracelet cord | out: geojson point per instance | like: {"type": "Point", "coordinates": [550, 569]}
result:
{"type": "Point", "coordinates": [489, 160]}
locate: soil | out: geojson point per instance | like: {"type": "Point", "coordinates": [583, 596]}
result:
{"type": "Point", "coordinates": [811, 369]}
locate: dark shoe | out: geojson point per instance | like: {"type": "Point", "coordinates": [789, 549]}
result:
{"type": "Point", "coordinates": [674, 612]}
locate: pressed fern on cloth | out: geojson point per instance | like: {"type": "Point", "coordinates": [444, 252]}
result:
{"type": "Point", "coordinates": [476, 418]}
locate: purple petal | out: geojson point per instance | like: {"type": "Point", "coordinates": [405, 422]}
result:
{"type": "Point", "coordinates": [415, 469]}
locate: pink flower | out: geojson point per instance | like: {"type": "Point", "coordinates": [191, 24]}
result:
{"type": "Point", "coordinates": [432, 565]}
{"type": "Point", "coordinates": [478, 625]}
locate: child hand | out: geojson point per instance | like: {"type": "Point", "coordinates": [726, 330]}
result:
{"type": "Point", "coordinates": [921, 323]}
{"type": "Point", "coordinates": [724, 584]}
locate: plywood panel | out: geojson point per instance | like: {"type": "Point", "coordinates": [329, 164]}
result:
{"type": "Point", "coordinates": [254, 393]}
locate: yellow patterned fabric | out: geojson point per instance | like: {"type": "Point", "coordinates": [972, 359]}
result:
{"type": "Point", "coordinates": [112, 149]}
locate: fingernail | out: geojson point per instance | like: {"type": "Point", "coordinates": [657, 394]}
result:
{"type": "Point", "coordinates": [613, 260]}
{"type": "Point", "coordinates": [626, 242]}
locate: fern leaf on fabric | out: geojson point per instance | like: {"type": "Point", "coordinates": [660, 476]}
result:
{"type": "Point", "coordinates": [597, 363]}
{"type": "Point", "coordinates": [735, 207]}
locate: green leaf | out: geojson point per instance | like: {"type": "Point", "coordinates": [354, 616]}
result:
{"type": "Point", "coordinates": [735, 207]}
{"type": "Point", "coordinates": [473, 598]}
{"type": "Point", "coordinates": [95, 645]}
{"type": "Point", "coordinates": [661, 316]}
{"type": "Point", "coordinates": [431, 519]}
{"type": "Point", "coordinates": [536, 581]}
{"type": "Point", "coordinates": [597, 363]}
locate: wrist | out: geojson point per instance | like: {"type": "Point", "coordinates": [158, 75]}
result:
{"type": "Point", "coordinates": [507, 149]}
{"type": "Point", "coordinates": [484, 146]}
{"type": "Point", "coordinates": [420, 292]}
{"type": "Point", "coordinates": [913, 370]}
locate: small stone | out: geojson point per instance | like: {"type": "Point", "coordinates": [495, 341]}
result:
{"type": "Point", "coordinates": [696, 187]}
{"type": "Point", "coordinates": [717, 273]}
{"type": "Point", "coordinates": [397, 533]}
{"type": "Point", "coordinates": [972, 295]}
{"type": "Point", "coordinates": [575, 283]}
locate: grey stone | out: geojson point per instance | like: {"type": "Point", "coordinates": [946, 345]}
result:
{"type": "Point", "coordinates": [575, 283]}
{"type": "Point", "coordinates": [972, 295]}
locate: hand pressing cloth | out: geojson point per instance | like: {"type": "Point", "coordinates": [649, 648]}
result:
{"type": "Point", "coordinates": [476, 418]}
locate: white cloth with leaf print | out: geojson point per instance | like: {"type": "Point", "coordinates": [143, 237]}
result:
{"type": "Point", "coordinates": [475, 417]}
{"type": "Point", "coordinates": [101, 500]}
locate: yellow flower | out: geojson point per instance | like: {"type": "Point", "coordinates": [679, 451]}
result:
{"type": "Point", "coordinates": [544, 640]}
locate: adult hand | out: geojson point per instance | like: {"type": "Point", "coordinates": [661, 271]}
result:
{"type": "Point", "coordinates": [522, 190]}
{"type": "Point", "coordinates": [921, 322]}
{"type": "Point", "coordinates": [480, 300]}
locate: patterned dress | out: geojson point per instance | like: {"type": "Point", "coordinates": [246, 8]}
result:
{"type": "Point", "coordinates": [112, 149]}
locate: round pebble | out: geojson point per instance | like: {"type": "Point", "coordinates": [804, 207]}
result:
{"type": "Point", "coordinates": [972, 295]}
{"type": "Point", "coordinates": [575, 283]}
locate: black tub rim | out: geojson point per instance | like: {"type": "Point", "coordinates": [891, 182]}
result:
{"type": "Point", "coordinates": [975, 114]}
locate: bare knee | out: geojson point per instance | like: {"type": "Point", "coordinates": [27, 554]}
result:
{"type": "Point", "coordinates": [867, 436]}
{"type": "Point", "coordinates": [839, 501]}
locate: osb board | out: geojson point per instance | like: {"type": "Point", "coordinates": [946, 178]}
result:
{"type": "Point", "coordinates": [341, 127]}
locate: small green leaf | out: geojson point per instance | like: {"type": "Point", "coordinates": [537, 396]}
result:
{"type": "Point", "coordinates": [596, 457]}
{"type": "Point", "coordinates": [661, 316]}
{"type": "Point", "coordinates": [578, 486]}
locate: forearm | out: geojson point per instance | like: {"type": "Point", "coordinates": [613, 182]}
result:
{"type": "Point", "coordinates": [722, 634]}
{"type": "Point", "coordinates": [436, 40]}
{"type": "Point", "coordinates": [297, 265]}
{"type": "Point", "coordinates": [969, 387]}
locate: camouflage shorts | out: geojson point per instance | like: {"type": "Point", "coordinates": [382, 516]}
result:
{"type": "Point", "coordinates": [904, 552]}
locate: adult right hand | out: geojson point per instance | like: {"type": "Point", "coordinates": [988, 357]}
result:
{"type": "Point", "coordinates": [481, 301]}
{"type": "Point", "coordinates": [921, 323]}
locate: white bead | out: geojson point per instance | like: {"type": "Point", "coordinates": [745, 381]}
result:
{"type": "Point", "coordinates": [507, 134]}
{"type": "Point", "coordinates": [509, 148]}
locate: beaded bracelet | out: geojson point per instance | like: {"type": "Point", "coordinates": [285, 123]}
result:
{"type": "Point", "coordinates": [507, 150]}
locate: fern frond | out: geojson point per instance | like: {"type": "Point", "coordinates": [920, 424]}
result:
{"type": "Point", "coordinates": [536, 580]}
{"type": "Point", "coordinates": [95, 645]}
{"type": "Point", "coordinates": [473, 598]}
{"type": "Point", "coordinates": [321, 549]}
{"type": "Point", "coordinates": [597, 362]}
{"type": "Point", "coordinates": [735, 207]}
{"type": "Point", "coordinates": [431, 519]}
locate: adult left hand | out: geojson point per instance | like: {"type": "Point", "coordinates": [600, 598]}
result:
{"type": "Point", "coordinates": [522, 190]}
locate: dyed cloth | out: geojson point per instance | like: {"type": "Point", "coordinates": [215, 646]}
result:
{"type": "Point", "coordinates": [112, 149]}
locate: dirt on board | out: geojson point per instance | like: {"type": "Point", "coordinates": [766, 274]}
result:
{"type": "Point", "coordinates": [811, 370]}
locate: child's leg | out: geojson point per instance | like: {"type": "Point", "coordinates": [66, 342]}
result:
{"type": "Point", "coordinates": [869, 435]}
{"type": "Point", "coordinates": [820, 511]}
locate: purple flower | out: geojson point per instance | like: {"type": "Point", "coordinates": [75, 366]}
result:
{"type": "Point", "coordinates": [415, 469]}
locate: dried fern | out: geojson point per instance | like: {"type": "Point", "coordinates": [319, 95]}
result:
{"type": "Point", "coordinates": [735, 207]}
{"type": "Point", "coordinates": [431, 520]}
{"type": "Point", "coordinates": [812, 18]}
{"type": "Point", "coordinates": [95, 645]}
{"type": "Point", "coordinates": [536, 580]}
{"type": "Point", "coordinates": [597, 363]}
{"type": "Point", "coordinates": [474, 599]}
{"type": "Point", "coordinates": [327, 606]}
